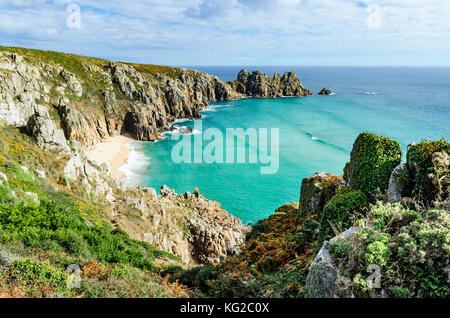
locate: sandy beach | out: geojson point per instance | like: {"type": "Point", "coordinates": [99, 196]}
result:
{"type": "Point", "coordinates": [113, 152]}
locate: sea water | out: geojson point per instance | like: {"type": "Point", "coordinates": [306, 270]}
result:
{"type": "Point", "coordinates": [316, 133]}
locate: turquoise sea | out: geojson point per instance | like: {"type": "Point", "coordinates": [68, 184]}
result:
{"type": "Point", "coordinates": [316, 132]}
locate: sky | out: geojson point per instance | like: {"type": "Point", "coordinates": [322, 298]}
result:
{"type": "Point", "coordinates": [236, 32]}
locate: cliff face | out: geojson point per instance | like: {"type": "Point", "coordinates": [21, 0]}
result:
{"type": "Point", "coordinates": [92, 99]}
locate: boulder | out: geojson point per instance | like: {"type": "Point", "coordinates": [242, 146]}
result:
{"type": "Point", "coordinates": [3, 178]}
{"type": "Point", "coordinates": [325, 91]}
{"type": "Point", "coordinates": [398, 183]}
{"type": "Point", "coordinates": [428, 164]}
{"type": "Point", "coordinates": [324, 273]}
{"type": "Point", "coordinates": [44, 130]}
{"type": "Point", "coordinates": [72, 83]}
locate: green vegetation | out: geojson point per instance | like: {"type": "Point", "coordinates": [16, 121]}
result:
{"type": "Point", "coordinates": [48, 224]}
{"type": "Point", "coordinates": [341, 212]}
{"type": "Point", "coordinates": [373, 159]}
{"type": "Point", "coordinates": [412, 250]}
{"type": "Point", "coordinates": [45, 227]}
{"type": "Point", "coordinates": [273, 263]}
{"type": "Point", "coordinates": [420, 161]}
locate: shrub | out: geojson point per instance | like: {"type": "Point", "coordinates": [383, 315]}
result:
{"type": "Point", "coordinates": [340, 248]}
{"type": "Point", "coordinates": [420, 161]}
{"type": "Point", "coordinates": [60, 228]}
{"type": "Point", "coordinates": [340, 211]}
{"type": "Point", "coordinates": [377, 253]}
{"type": "Point", "coordinates": [32, 272]}
{"type": "Point", "coordinates": [373, 159]}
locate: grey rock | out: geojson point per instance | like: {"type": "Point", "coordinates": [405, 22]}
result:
{"type": "Point", "coordinates": [325, 91]}
{"type": "Point", "coordinates": [47, 135]}
{"type": "Point", "coordinates": [258, 84]}
{"type": "Point", "coordinates": [398, 183]}
{"type": "Point", "coordinates": [324, 273]}
{"type": "Point", "coordinates": [3, 178]}
{"type": "Point", "coordinates": [313, 196]}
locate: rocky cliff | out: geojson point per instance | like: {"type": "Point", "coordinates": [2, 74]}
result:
{"type": "Point", "coordinates": [69, 103]}
{"type": "Point", "coordinates": [92, 99]}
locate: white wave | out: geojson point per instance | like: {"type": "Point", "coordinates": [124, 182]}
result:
{"type": "Point", "coordinates": [314, 138]}
{"type": "Point", "coordinates": [214, 108]}
{"type": "Point", "coordinates": [333, 94]}
{"type": "Point", "coordinates": [180, 130]}
{"type": "Point", "coordinates": [181, 120]}
{"type": "Point", "coordinates": [136, 165]}
{"type": "Point", "coordinates": [210, 109]}
{"type": "Point", "coordinates": [371, 93]}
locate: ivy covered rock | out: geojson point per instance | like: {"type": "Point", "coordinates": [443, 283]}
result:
{"type": "Point", "coordinates": [340, 213]}
{"type": "Point", "coordinates": [428, 163]}
{"type": "Point", "coordinates": [372, 161]}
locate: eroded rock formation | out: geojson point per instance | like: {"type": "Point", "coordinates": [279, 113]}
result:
{"type": "Point", "coordinates": [258, 84]}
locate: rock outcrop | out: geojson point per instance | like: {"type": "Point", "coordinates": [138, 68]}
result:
{"type": "Point", "coordinates": [316, 192]}
{"type": "Point", "coordinates": [325, 91]}
{"type": "Point", "coordinates": [398, 183]}
{"type": "Point", "coordinates": [372, 160]}
{"type": "Point", "coordinates": [429, 171]}
{"type": "Point", "coordinates": [324, 277]}
{"type": "Point", "coordinates": [190, 226]}
{"type": "Point", "coordinates": [44, 130]}
{"type": "Point", "coordinates": [258, 84]}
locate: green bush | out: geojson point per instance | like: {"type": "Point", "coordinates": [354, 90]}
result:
{"type": "Point", "coordinates": [340, 211]}
{"type": "Point", "coordinates": [60, 228]}
{"type": "Point", "coordinates": [373, 159]}
{"type": "Point", "coordinates": [31, 272]}
{"type": "Point", "coordinates": [419, 159]}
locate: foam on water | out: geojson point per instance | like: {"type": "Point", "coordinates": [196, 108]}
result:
{"type": "Point", "coordinates": [137, 163]}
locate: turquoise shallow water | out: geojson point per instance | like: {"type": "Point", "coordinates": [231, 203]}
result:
{"type": "Point", "coordinates": [316, 133]}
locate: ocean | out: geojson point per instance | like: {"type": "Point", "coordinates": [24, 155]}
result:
{"type": "Point", "coordinates": [316, 133]}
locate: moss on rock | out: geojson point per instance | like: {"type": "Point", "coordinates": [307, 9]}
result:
{"type": "Point", "coordinates": [373, 159]}
{"type": "Point", "coordinates": [340, 212]}
{"type": "Point", "coordinates": [423, 169]}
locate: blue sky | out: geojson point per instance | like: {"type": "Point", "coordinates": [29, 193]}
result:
{"type": "Point", "coordinates": [237, 32]}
